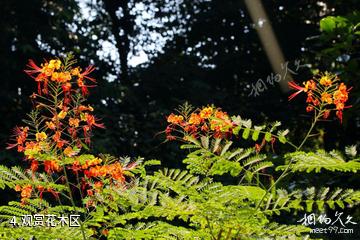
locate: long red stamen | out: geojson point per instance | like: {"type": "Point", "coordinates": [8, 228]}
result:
{"type": "Point", "coordinates": [87, 71]}
{"type": "Point", "coordinates": [293, 85]}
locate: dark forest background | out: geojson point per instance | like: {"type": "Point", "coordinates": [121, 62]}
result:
{"type": "Point", "coordinates": [200, 51]}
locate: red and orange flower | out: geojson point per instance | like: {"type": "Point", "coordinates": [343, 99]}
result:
{"type": "Point", "coordinates": [205, 121]}
{"type": "Point", "coordinates": [323, 92]}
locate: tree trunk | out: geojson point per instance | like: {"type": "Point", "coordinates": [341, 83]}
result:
{"type": "Point", "coordinates": [122, 42]}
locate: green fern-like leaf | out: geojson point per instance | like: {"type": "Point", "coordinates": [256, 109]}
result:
{"type": "Point", "coordinates": [309, 199]}
{"type": "Point", "coordinates": [316, 161]}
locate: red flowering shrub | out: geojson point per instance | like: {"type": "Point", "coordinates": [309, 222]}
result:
{"type": "Point", "coordinates": [117, 199]}
{"type": "Point", "coordinates": [59, 128]}
{"type": "Point", "coordinates": [325, 93]}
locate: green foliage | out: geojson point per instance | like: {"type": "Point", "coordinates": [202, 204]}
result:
{"type": "Point", "coordinates": [36, 206]}
{"type": "Point", "coordinates": [193, 203]}
{"type": "Point", "coordinates": [341, 24]}
{"type": "Point", "coordinates": [188, 204]}
{"type": "Point", "coordinates": [329, 24]}
{"type": "Point", "coordinates": [43, 233]}
{"type": "Point", "coordinates": [316, 161]}
{"type": "Point", "coordinates": [153, 230]}
{"type": "Point", "coordinates": [214, 157]}
{"type": "Point", "coordinates": [197, 202]}
{"type": "Point", "coordinates": [207, 210]}
{"type": "Point", "coordinates": [11, 177]}
{"type": "Point", "coordinates": [245, 129]}
{"type": "Point", "coordinates": [308, 199]}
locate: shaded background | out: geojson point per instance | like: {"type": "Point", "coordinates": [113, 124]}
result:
{"type": "Point", "coordinates": [152, 56]}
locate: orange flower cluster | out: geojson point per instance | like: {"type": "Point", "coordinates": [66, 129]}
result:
{"type": "Point", "coordinates": [323, 92]}
{"type": "Point", "coordinates": [114, 170]}
{"type": "Point", "coordinates": [56, 71]}
{"type": "Point", "coordinates": [65, 126]}
{"type": "Point", "coordinates": [90, 163]}
{"type": "Point", "coordinates": [69, 122]}
{"type": "Point", "coordinates": [175, 119]}
{"type": "Point", "coordinates": [20, 134]}
{"type": "Point", "coordinates": [59, 133]}
{"type": "Point", "coordinates": [206, 121]}
{"type": "Point", "coordinates": [77, 166]}
{"type": "Point", "coordinates": [92, 169]}
{"type": "Point", "coordinates": [51, 166]}
{"type": "Point", "coordinates": [25, 192]}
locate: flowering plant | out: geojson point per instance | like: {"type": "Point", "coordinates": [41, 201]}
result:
{"type": "Point", "coordinates": [117, 199]}
{"type": "Point", "coordinates": [59, 128]}
{"type": "Point", "coordinates": [115, 202]}
{"type": "Point", "coordinates": [325, 93]}
{"type": "Point", "coordinates": [188, 125]}
{"type": "Point", "coordinates": [208, 133]}
{"type": "Point", "coordinates": [207, 120]}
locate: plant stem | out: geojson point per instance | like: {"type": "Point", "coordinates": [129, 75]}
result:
{"type": "Point", "coordinates": [274, 184]}
{"type": "Point", "coordinates": [210, 228]}
{"type": "Point", "coordinates": [56, 95]}
{"type": "Point", "coordinates": [316, 118]}
{"type": "Point", "coordinates": [73, 203]}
